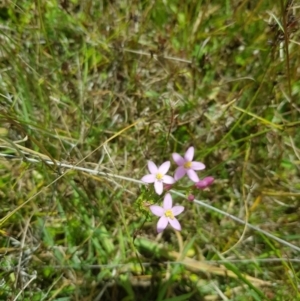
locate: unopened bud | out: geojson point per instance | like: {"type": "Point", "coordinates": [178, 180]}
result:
{"type": "Point", "coordinates": [191, 198]}
{"type": "Point", "coordinates": [202, 184]}
{"type": "Point", "coordinates": [167, 187]}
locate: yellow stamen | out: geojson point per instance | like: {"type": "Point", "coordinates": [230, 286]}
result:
{"type": "Point", "coordinates": [159, 176]}
{"type": "Point", "coordinates": [187, 164]}
{"type": "Point", "coordinates": [169, 214]}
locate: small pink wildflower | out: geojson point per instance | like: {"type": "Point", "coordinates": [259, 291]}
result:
{"type": "Point", "coordinates": [187, 166]}
{"type": "Point", "coordinates": [167, 214]}
{"type": "Point", "coordinates": [158, 176]}
{"type": "Point", "coordinates": [202, 184]}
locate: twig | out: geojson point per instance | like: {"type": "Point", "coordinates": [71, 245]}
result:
{"type": "Point", "coordinates": [22, 290]}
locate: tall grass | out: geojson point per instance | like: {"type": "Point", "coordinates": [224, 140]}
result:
{"type": "Point", "coordinates": [91, 90]}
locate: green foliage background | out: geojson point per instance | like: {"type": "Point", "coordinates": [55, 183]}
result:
{"type": "Point", "coordinates": [108, 85]}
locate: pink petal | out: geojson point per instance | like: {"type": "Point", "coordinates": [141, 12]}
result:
{"type": "Point", "coordinates": [192, 175]}
{"type": "Point", "coordinates": [157, 210]}
{"type": "Point", "coordinates": [189, 155]}
{"type": "Point", "coordinates": [178, 159]}
{"type": "Point", "coordinates": [174, 223]}
{"type": "Point", "coordinates": [177, 210]}
{"type": "Point", "coordinates": [164, 167]}
{"type": "Point", "coordinates": [162, 224]}
{"type": "Point", "coordinates": [197, 165]}
{"type": "Point", "coordinates": [167, 202]}
{"type": "Point", "coordinates": [152, 167]}
{"type": "Point", "coordinates": [168, 179]}
{"type": "Point", "coordinates": [148, 178]}
{"type": "Point", "coordinates": [158, 186]}
{"type": "Point", "coordinates": [179, 173]}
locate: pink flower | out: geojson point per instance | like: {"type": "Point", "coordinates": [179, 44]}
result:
{"type": "Point", "coordinates": [167, 214]}
{"type": "Point", "coordinates": [158, 176]}
{"type": "Point", "coordinates": [187, 166]}
{"type": "Point", "coordinates": [202, 184]}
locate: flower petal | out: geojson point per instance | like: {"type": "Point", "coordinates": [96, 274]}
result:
{"type": "Point", "coordinates": [158, 186]}
{"type": "Point", "coordinates": [167, 202]}
{"type": "Point", "coordinates": [192, 175]}
{"type": "Point", "coordinates": [162, 224]}
{"type": "Point", "coordinates": [152, 167]}
{"type": "Point", "coordinates": [197, 165]}
{"type": "Point", "coordinates": [179, 173]}
{"type": "Point", "coordinates": [157, 210]}
{"type": "Point", "coordinates": [177, 210]}
{"type": "Point", "coordinates": [189, 154]}
{"type": "Point", "coordinates": [148, 178]}
{"type": "Point", "coordinates": [178, 159]}
{"type": "Point", "coordinates": [164, 167]}
{"type": "Point", "coordinates": [174, 223]}
{"type": "Point", "coordinates": [168, 179]}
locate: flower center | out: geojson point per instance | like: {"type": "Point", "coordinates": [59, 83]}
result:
{"type": "Point", "coordinates": [169, 214]}
{"type": "Point", "coordinates": [159, 176]}
{"type": "Point", "coordinates": [187, 164]}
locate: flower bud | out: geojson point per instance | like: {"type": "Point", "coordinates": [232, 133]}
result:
{"type": "Point", "coordinates": [202, 184]}
{"type": "Point", "coordinates": [167, 187]}
{"type": "Point", "coordinates": [191, 198]}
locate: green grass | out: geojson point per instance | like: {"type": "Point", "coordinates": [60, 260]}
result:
{"type": "Point", "coordinates": [107, 85]}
